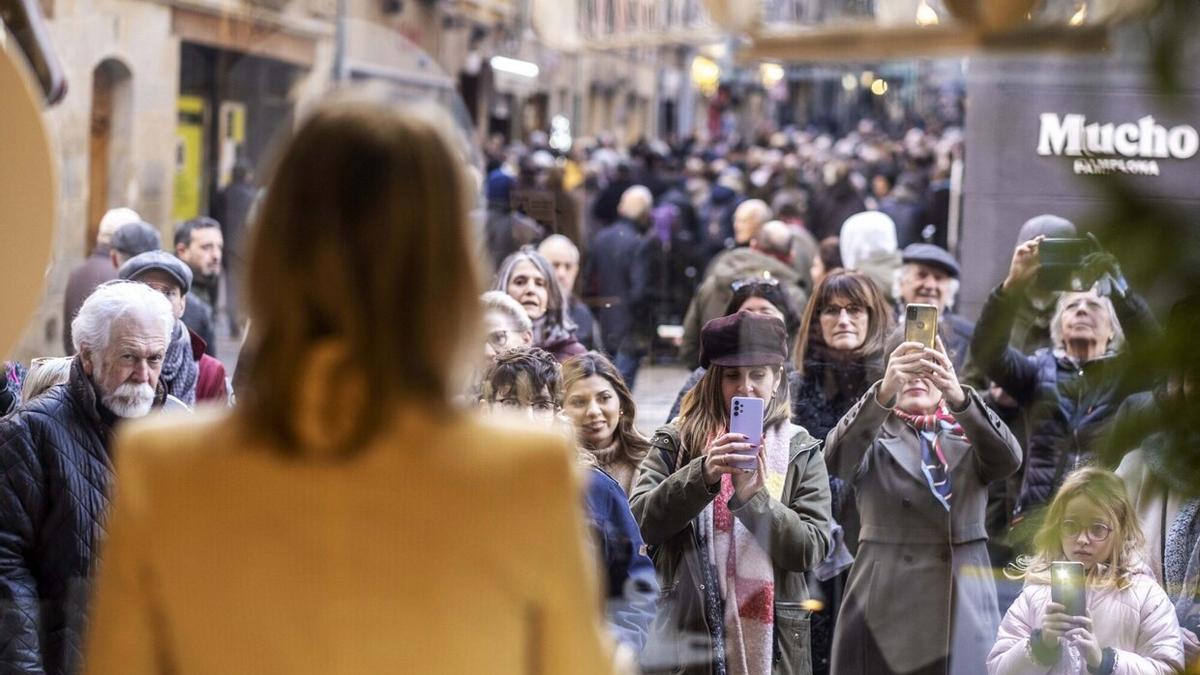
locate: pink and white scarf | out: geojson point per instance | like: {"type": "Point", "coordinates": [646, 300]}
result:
{"type": "Point", "coordinates": [744, 569]}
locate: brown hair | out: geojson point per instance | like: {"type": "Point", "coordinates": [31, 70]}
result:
{"type": "Point", "coordinates": [857, 288]}
{"type": "Point", "coordinates": [704, 414]}
{"type": "Point", "coordinates": [1104, 489]}
{"type": "Point", "coordinates": [633, 445]}
{"type": "Point", "coordinates": [362, 274]}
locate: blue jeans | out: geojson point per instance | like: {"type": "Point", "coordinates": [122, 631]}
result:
{"type": "Point", "coordinates": [628, 362]}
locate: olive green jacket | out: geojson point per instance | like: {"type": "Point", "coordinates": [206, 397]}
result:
{"type": "Point", "coordinates": [668, 496]}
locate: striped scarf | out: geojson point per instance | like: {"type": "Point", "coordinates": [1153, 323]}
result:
{"type": "Point", "coordinates": [744, 568]}
{"type": "Point", "coordinates": [931, 429]}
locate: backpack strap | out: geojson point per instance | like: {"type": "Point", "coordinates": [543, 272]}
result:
{"type": "Point", "coordinates": [666, 441]}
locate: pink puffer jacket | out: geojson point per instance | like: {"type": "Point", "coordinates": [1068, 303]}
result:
{"type": "Point", "coordinates": [1138, 622]}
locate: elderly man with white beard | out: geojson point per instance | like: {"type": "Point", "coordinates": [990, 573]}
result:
{"type": "Point", "coordinates": [55, 473]}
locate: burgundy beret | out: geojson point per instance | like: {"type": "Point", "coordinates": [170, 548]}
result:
{"type": "Point", "coordinates": [743, 339]}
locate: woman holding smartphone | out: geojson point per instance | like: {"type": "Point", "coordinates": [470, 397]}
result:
{"type": "Point", "coordinates": [731, 544]}
{"type": "Point", "coordinates": [920, 450]}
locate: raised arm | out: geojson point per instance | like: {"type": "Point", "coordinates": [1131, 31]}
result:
{"type": "Point", "coordinates": [994, 445]}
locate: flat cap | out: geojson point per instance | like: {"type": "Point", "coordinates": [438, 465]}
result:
{"type": "Point", "coordinates": [136, 238]}
{"type": "Point", "coordinates": [743, 339]}
{"type": "Point", "coordinates": [157, 260]}
{"type": "Point", "coordinates": [932, 255]}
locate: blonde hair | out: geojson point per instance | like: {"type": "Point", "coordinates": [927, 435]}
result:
{"type": "Point", "coordinates": [704, 413]}
{"type": "Point", "coordinates": [1104, 489]}
{"type": "Point", "coordinates": [45, 372]}
{"type": "Point", "coordinates": [363, 249]}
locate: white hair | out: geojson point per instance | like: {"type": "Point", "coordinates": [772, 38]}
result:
{"type": "Point", "coordinates": [114, 220]}
{"type": "Point", "coordinates": [898, 277]}
{"type": "Point", "coordinates": [866, 235]}
{"type": "Point", "coordinates": [499, 301]}
{"type": "Point", "coordinates": [92, 326]}
{"type": "Point", "coordinates": [635, 202]}
{"type": "Point", "coordinates": [558, 240]}
{"type": "Point", "coordinates": [1056, 336]}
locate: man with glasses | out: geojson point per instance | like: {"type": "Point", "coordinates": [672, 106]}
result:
{"type": "Point", "coordinates": [188, 372]}
{"type": "Point", "coordinates": [769, 256]}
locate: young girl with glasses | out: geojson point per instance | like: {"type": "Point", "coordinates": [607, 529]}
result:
{"type": "Point", "coordinates": [1130, 624]}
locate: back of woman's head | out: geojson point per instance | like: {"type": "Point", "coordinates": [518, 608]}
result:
{"type": "Point", "coordinates": [362, 275]}
{"type": "Point", "coordinates": [45, 372]}
{"type": "Point", "coordinates": [1107, 493]}
{"type": "Point", "coordinates": [581, 367]}
{"type": "Point", "coordinates": [848, 286]}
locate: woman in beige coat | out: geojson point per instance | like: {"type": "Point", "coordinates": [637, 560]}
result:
{"type": "Point", "coordinates": [920, 450]}
{"type": "Point", "coordinates": [347, 519]}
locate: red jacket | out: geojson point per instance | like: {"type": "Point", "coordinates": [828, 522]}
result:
{"type": "Point", "coordinates": [210, 383]}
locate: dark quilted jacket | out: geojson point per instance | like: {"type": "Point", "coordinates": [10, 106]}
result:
{"type": "Point", "coordinates": [54, 493]}
{"type": "Point", "coordinates": [1070, 405]}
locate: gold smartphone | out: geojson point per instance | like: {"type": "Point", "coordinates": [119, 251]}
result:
{"type": "Point", "coordinates": [920, 324]}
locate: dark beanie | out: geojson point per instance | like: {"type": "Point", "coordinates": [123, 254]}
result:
{"type": "Point", "coordinates": [743, 339]}
{"type": "Point", "coordinates": [499, 187]}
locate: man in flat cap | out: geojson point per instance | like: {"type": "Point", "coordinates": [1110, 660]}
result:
{"type": "Point", "coordinates": [188, 373]}
{"type": "Point", "coordinates": [930, 275]}
{"type": "Point", "coordinates": [133, 239]}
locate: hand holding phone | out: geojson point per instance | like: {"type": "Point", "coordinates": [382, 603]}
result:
{"type": "Point", "coordinates": [746, 418]}
{"type": "Point", "coordinates": [920, 324]}
{"type": "Point", "coordinates": [1067, 587]}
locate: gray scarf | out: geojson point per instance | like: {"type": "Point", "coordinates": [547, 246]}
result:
{"type": "Point", "coordinates": [180, 370]}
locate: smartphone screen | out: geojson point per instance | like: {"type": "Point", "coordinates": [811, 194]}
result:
{"type": "Point", "coordinates": [1060, 262]}
{"type": "Point", "coordinates": [920, 324]}
{"type": "Point", "coordinates": [746, 418]}
{"type": "Point", "coordinates": [1067, 587]}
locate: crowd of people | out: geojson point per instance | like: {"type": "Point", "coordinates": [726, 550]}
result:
{"type": "Point", "coordinates": [433, 461]}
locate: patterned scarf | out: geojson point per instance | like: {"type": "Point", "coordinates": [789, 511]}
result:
{"type": "Point", "coordinates": [931, 429]}
{"type": "Point", "coordinates": [1181, 564]}
{"type": "Point", "coordinates": [744, 569]}
{"type": "Point", "coordinates": [180, 370]}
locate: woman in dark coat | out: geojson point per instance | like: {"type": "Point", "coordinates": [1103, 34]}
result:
{"type": "Point", "coordinates": [920, 450]}
{"type": "Point", "coordinates": [838, 355]}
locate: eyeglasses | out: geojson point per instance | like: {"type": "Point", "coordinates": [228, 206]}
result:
{"type": "Point", "coordinates": [498, 339]}
{"type": "Point", "coordinates": [1096, 532]}
{"type": "Point", "coordinates": [753, 281]}
{"type": "Point", "coordinates": [836, 310]}
{"type": "Point", "coordinates": [539, 408]}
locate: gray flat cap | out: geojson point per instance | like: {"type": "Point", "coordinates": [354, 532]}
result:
{"type": "Point", "coordinates": [1054, 227]}
{"type": "Point", "coordinates": [136, 238]}
{"type": "Point", "coordinates": [157, 260]}
{"type": "Point", "coordinates": [932, 255]}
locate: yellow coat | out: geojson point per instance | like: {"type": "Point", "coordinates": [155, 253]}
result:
{"type": "Point", "coordinates": [449, 546]}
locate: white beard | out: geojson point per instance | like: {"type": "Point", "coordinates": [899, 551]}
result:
{"type": "Point", "coordinates": [130, 400]}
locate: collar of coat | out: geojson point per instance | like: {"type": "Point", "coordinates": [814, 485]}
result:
{"type": "Point", "coordinates": [902, 443]}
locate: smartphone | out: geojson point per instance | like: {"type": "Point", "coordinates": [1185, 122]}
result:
{"type": "Point", "coordinates": [1067, 587]}
{"type": "Point", "coordinates": [1059, 263]}
{"type": "Point", "coordinates": [746, 418]}
{"type": "Point", "coordinates": [920, 324]}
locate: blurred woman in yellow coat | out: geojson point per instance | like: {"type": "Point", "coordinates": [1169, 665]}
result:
{"type": "Point", "coordinates": [347, 518]}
